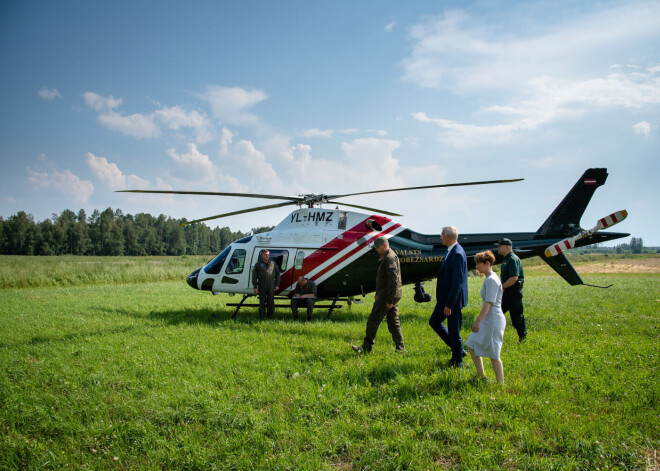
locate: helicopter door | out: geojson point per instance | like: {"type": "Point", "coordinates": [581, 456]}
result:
{"type": "Point", "coordinates": [282, 259]}
{"type": "Point", "coordinates": [235, 274]}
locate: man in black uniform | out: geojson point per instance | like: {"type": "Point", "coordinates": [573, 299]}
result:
{"type": "Point", "coordinates": [388, 294]}
{"type": "Point", "coordinates": [305, 293]}
{"type": "Point", "coordinates": [266, 281]}
{"type": "Point", "coordinates": [513, 279]}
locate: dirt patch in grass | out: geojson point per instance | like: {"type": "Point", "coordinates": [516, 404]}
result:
{"type": "Point", "coordinates": [632, 265]}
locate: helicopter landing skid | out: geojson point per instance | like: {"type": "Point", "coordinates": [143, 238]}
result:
{"type": "Point", "coordinates": [330, 307]}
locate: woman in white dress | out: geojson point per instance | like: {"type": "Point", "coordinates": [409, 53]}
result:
{"type": "Point", "coordinates": [488, 329]}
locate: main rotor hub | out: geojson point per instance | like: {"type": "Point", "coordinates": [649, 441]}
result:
{"type": "Point", "coordinates": [311, 199]}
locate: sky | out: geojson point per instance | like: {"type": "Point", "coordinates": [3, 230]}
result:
{"type": "Point", "coordinates": [294, 97]}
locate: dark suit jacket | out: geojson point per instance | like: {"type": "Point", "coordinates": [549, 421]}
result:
{"type": "Point", "coordinates": [452, 289]}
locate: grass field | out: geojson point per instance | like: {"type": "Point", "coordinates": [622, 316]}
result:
{"type": "Point", "coordinates": [138, 374]}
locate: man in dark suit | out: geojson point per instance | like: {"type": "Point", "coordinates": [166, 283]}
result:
{"type": "Point", "coordinates": [451, 296]}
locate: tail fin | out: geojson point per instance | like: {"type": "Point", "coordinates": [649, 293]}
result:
{"type": "Point", "coordinates": [563, 267]}
{"type": "Point", "coordinates": [565, 219]}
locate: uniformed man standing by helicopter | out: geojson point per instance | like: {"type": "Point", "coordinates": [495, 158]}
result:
{"type": "Point", "coordinates": [513, 277]}
{"type": "Point", "coordinates": [266, 280]}
{"type": "Point", "coordinates": [388, 294]}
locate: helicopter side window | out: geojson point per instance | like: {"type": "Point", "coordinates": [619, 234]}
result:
{"type": "Point", "coordinates": [236, 262]}
{"type": "Point", "coordinates": [215, 265]}
{"type": "Point", "coordinates": [280, 257]}
{"type": "Point", "coordinates": [342, 220]}
{"type": "Point", "coordinates": [300, 257]}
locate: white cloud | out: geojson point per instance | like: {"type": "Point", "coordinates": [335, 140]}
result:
{"type": "Point", "coordinates": [231, 105]}
{"type": "Point", "coordinates": [176, 118]}
{"type": "Point", "coordinates": [254, 167]}
{"type": "Point", "coordinates": [111, 175]}
{"type": "Point", "coordinates": [49, 93]}
{"type": "Point", "coordinates": [371, 156]}
{"type": "Point", "coordinates": [98, 102]}
{"type": "Point", "coordinates": [642, 128]}
{"type": "Point", "coordinates": [531, 79]}
{"type": "Point", "coordinates": [64, 182]}
{"type": "Point", "coordinates": [326, 133]}
{"type": "Point", "coordinates": [226, 139]}
{"type": "Point", "coordinates": [550, 99]}
{"type": "Point", "coordinates": [390, 26]}
{"type": "Point", "coordinates": [193, 158]}
{"type": "Point", "coordinates": [456, 51]}
{"type": "Point", "coordinates": [136, 125]}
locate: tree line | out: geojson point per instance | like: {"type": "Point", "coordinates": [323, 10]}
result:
{"type": "Point", "coordinates": [111, 232]}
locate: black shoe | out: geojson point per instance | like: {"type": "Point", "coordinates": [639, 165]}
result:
{"type": "Point", "coordinates": [309, 318]}
{"type": "Point", "coordinates": [401, 350]}
{"type": "Point", "coordinates": [455, 364]}
{"type": "Point", "coordinates": [522, 338]}
{"type": "Point", "coordinates": [464, 354]}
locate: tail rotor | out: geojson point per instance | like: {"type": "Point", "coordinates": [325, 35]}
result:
{"type": "Point", "coordinates": [569, 243]}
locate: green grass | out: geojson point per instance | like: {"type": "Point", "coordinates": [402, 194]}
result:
{"type": "Point", "coordinates": [156, 376]}
{"type": "Point", "coordinates": [18, 271]}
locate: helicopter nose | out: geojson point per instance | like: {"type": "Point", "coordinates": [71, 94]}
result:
{"type": "Point", "coordinates": [192, 279]}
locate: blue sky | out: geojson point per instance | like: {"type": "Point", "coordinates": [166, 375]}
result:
{"type": "Point", "coordinates": [296, 97]}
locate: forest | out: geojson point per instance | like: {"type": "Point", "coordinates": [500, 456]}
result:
{"type": "Point", "coordinates": [111, 232]}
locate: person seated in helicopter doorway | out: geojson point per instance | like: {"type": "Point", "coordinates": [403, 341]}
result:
{"type": "Point", "coordinates": [305, 293]}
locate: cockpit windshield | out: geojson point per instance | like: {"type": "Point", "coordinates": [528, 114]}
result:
{"type": "Point", "coordinates": [215, 265]}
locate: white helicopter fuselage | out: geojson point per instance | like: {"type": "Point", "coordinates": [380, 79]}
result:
{"type": "Point", "coordinates": [313, 242]}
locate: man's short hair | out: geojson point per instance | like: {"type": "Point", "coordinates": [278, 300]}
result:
{"type": "Point", "coordinates": [379, 241]}
{"type": "Point", "coordinates": [450, 231]}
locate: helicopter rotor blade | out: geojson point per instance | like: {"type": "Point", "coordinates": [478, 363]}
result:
{"type": "Point", "coordinates": [611, 220]}
{"type": "Point", "coordinates": [569, 243]}
{"type": "Point", "coordinates": [488, 182]}
{"type": "Point", "coordinates": [292, 199]}
{"type": "Point", "coordinates": [367, 208]}
{"type": "Point", "coordinates": [233, 213]}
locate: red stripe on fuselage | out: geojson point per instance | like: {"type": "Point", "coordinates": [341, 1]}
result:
{"type": "Point", "coordinates": [336, 245]}
{"type": "Point", "coordinates": [354, 251]}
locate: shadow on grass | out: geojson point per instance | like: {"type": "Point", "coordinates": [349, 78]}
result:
{"type": "Point", "coordinates": [248, 316]}
{"type": "Point", "coordinates": [39, 340]}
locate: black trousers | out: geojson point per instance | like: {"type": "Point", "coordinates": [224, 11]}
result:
{"type": "Point", "coordinates": [512, 302]}
{"type": "Point", "coordinates": [266, 302]}
{"type": "Point", "coordinates": [451, 335]}
{"type": "Point", "coordinates": [307, 302]}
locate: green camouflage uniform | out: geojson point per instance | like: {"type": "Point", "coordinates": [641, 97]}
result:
{"type": "Point", "coordinates": [388, 291]}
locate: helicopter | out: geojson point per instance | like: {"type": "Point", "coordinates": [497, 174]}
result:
{"type": "Point", "coordinates": [334, 247]}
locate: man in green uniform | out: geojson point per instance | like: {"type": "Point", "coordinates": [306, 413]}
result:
{"type": "Point", "coordinates": [386, 303]}
{"type": "Point", "coordinates": [266, 281]}
{"type": "Point", "coordinates": [513, 279]}
{"type": "Point", "coordinates": [305, 294]}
